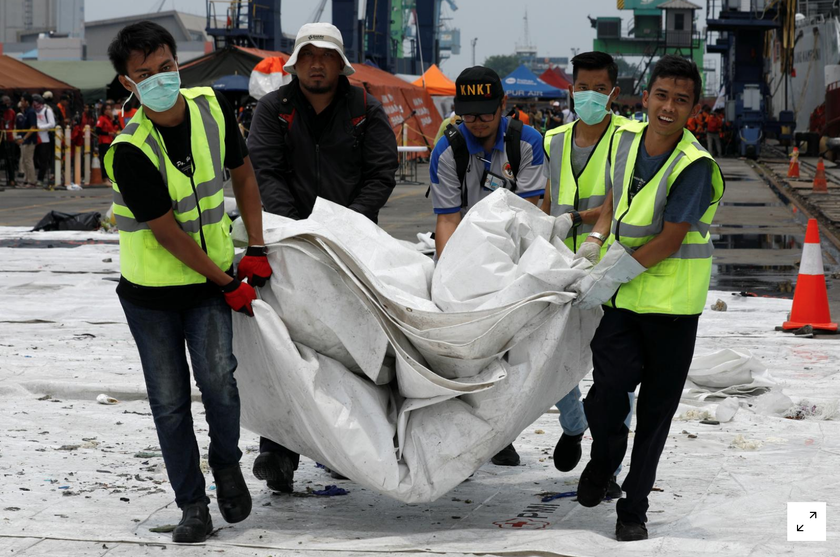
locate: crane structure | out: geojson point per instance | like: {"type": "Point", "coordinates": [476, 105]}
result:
{"type": "Point", "coordinates": [374, 31]}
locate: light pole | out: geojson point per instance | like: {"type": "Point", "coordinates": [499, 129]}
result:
{"type": "Point", "coordinates": [472, 42]}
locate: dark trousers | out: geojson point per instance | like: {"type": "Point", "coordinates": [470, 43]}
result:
{"type": "Point", "coordinates": [207, 331]}
{"type": "Point", "coordinates": [269, 446]}
{"type": "Point", "coordinates": [10, 159]}
{"type": "Point", "coordinates": [628, 349]}
{"type": "Point", "coordinates": [44, 153]}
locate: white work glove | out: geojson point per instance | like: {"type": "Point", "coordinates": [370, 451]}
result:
{"type": "Point", "coordinates": [562, 225]}
{"type": "Point", "coordinates": [616, 268]}
{"type": "Point", "coordinates": [590, 251]}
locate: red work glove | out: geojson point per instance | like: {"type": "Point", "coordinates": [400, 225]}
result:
{"type": "Point", "coordinates": [254, 266]}
{"type": "Point", "coordinates": [239, 296]}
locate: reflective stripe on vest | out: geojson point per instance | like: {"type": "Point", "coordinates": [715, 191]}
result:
{"type": "Point", "coordinates": [678, 284]}
{"type": "Point", "coordinates": [197, 201]}
{"type": "Point", "coordinates": [588, 190]}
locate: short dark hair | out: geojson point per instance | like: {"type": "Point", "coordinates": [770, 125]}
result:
{"type": "Point", "coordinates": [145, 36]}
{"type": "Point", "coordinates": [678, 68]}
{"type": "Point", "coordinates": [595, 61]}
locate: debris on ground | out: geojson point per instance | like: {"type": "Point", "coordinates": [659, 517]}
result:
{"type": "Point", "coordinates": [726, 410]}
{"type": "Point", "coordinates": [807, 410]}
{"type": "Point", "coordinates": [741, 442]}
{"type": "Point", "coordinates": [693, 415]}
{"type": "Point", "coordinates": [720, 305]}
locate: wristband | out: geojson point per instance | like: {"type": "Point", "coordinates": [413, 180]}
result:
{"type": "Point", "coordinates": [598, 236]}
{"type": "Point", "coordinates": [576, 218]}
{"type": "Point", "coordinates": [231, 286]}
{"type": "Point", "coordinates": [256, 251]}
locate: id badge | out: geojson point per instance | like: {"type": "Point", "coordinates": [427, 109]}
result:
{"type": "Point", "coordinates": [493, 182]}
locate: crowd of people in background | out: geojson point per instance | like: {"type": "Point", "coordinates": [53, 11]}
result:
{"type": "Point", "coordinates": [27, 133]}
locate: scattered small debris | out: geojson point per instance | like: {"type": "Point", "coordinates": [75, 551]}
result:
{"type": "Point", "coordinates": [145, 454]}
{"type": "Point", "coordinates": [107, 260]}
{"type": "Point", "coordinates": [12, 509]}
{"type": "Point", "coordinates": [46, 397]}
{"type": "Point", "coordinates": [741, 442]}
{"type": "Point", "coordinates": [807, 410]}
{"type": "Point", "coordinates": [709, 422]}
{"type": "Point", "coordinates": [552, 496]}
{"type": "Point", "coordinates": [539, 432]}
{"type": "Point", "coordinates": [468, 501]}
{"type": "Point", "coordinates": [163, 529]}
{"type": "Point", "coordinates": [657, 489]}
{"type": "Point", "coordinates": [69, 493]}
{"type": "Point", "coordinates": [68, 448]}
{"type": "Point", "coordinates": [105, 399]}
{"type": "Point", "coordinates": [720, 305]}
{"type": "Point", "coordinates": [126, 499]}
{"type": "Point", "coordinates": [692, 415]}
{"type": "Point", "coordinates": [330, 491]}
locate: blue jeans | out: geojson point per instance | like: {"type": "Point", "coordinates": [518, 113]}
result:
{"type": "Point", "coordinates": [573, 418]}
{"type": "Point", "coordinates": [208, 333]}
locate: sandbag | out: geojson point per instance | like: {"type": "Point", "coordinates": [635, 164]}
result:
{"type": "Point", "coordinates": [351, 360]}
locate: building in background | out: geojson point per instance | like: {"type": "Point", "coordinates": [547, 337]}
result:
{"type": "Point", "coordinates": [43, 29]}
{"type": "Point", "coordinates": [188, 30]}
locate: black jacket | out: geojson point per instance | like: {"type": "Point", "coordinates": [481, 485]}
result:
{"type": "Point", "coordinates": [359, 175]}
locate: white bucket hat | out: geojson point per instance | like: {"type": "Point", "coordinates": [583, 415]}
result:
{"type": "Point", "coordinates": [322, 35]}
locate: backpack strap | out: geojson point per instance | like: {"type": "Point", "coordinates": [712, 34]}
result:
{"type": "Point", "coordinates": [462, 159]}
{"type": "Point", "coordinates": [357, 107]}
{"type": "Point", "coordinates": [286, 118]}
{"type": "Point", "coordinates": [513, 136]}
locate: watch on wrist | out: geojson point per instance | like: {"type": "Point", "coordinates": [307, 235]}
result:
{"type": "Point", "coordinates": [256, 251]}
{"type": "Point", "coordinates": [576, 218]}
{"type": "Point", "coordinates": [598, 236]}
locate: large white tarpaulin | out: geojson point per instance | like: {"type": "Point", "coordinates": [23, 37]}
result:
{"type": "Point", "coordinates": [405, 376]}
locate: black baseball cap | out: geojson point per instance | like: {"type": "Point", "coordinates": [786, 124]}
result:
{"type": "Point", "coordinates": [478, 90]}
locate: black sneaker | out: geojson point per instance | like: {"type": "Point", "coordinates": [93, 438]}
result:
{"type": "Point", "coordinates": [567, 452]}
{"type": "Point", "coordinates": [195, 524]}
{"type": "Point", "coordinates": [630, 531]}
{"type": "Point", "coordinates": [232, 494]}
{"type": "Point", "coordinates": [614, 490]}
{"type": "Point", "coordinates": [276, 469]}
{"type": "Point", "coordinates": [592, 487]}
{"type": "Point", "coordinates": [506, 457]}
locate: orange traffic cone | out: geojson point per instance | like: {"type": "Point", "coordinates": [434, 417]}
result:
{"type": "Point", "coordinates": [810, 301]}
{"type": "Point", "coordinates": [95, 170]}
{"type": "Point", "coordinates": [820, 183]}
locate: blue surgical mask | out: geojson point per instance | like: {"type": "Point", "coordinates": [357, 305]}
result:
{"type": "Point", "coordinates": [158, 92]}
{"type": "Point", "coordinates": [591, 106]}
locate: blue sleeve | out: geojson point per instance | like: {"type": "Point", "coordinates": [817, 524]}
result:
{"type": "Point", "coordinates": [691, 194]}
{"type": "Point", "coordinates": [440, 147]}
{"type": "Point", "coordinates": [534, 138]}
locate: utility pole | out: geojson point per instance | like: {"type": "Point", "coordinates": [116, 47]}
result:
{"type": "Point", "coordinates": [472, 42]}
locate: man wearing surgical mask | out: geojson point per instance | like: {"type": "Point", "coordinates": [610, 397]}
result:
{"type": "Point", "coordinates": [577, 189]}
{"type": "Point", "coordinates": [177, 287]}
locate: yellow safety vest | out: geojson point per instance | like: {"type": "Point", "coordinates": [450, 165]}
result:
{"type": "Point", "coordinates": [586, 191]}
{"type": "Point", "coordinates": [197, 201]}
{"type": "Point", "coordinates": [678, 284]}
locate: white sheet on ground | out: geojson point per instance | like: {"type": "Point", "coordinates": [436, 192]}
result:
{"type": "Point", "coordinates": [403, 376]}
{"type": "Point", "coordinates": [727, 373]}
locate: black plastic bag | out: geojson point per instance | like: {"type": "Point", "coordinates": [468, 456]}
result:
{"type": "Point", "coordinates": [56, 220]}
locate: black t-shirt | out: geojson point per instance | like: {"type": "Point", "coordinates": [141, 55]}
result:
{"type": "Point", "coordinates": [146, 195]}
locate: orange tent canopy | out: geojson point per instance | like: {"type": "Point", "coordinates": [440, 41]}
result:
{"type": "Point", "coordinates": [17, 77]}
{"type": "Point", "coordinates": [437, 84]}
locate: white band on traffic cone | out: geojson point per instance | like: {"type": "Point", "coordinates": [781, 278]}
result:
{"type": "Point", "coordinates": [811, 263]}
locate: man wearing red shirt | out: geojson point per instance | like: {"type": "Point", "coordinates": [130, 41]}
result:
{"type": "Point", "coordinates": [105, 132]}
